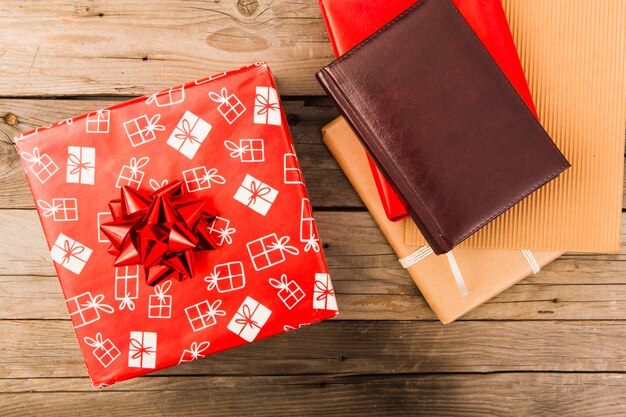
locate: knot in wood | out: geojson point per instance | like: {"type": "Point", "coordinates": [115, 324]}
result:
{"type": "Point", "coordinates": [247, 7]}
{"type": "Point", "coordinates": [10, 119]}
{"type": "Point", "coordinates": [292, 119]}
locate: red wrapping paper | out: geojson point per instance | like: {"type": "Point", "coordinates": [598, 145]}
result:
{"type": "Point", "coordinates": [349, 22]}
{"type": "Point", "coordinates": [226, 139]}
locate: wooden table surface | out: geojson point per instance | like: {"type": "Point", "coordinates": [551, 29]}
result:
{"type": "Point", "coordinates": [554, 344]}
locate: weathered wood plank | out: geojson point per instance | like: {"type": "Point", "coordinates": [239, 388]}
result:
{"type": "Point", "coordinates": [34, 349]}
{"type": "Point", "coordinates": [369, 282]}
{"type": "Point", "coordinates": [401, 302]}
{"type": "Point", "coordinates": [134, 47]}
{"type": "Point", "coordinates": [506, 394]}
{"type": "Point", "coordinates": [327, 184]}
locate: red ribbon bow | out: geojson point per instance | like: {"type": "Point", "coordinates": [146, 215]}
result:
{"type": "Point", "coordinates": [160, 231]}
{"type": "Point", "coordinates": [264, 105]}
{"type": "Point", "coordinates": [140, 349]}
{"type": "Point", "coordinates": [324, 291]}
{"type": "Point", "coordinates": [71, 250]}
{"type": "Point", "coordinates": [257, 190]}
{"type": "Point", "coordinates": [78, 165]}
{"type": "Point", "coordinates": [186, 133]}
{"type": "Point", "coordinates": [247, 319]}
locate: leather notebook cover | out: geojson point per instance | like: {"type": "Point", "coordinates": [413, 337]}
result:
{"type": "Point", "coordinates": [442, 122]}
{"type": "Point", "coordinates": [453, 284]}
{"type": "Point", "coordinates": [349, 22]}
{"type": "Point", "coordinates": [574, 57]}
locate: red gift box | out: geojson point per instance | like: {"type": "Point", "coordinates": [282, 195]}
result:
{"type": "Point", "coordinates": [61, 209]}
{"type": "Point", "coordinates": [289, 292]}
{"type": "Point", "coordinates": [248, 150]}
{"type": "Point", "coordinates": [127, 286]}
{"type": "Point", "coordinates": [160, 303]}
{"type": "Point", "coordinates": [230, 107]}
{"type": "Point", "coordinates": [41, 166]}
{"type": "Point", "coordinates": [226, 277]}
{"type": "Point", "coordinates": [98, 121]}
{"type": "Point", "coordinates": [104, 350]}
{"type": "Point", "coordinates": [351, 21]}
{"type": "Point", "coordinates": [117, 316]}
{"type": "Point", "coordinates": [221, 231]}
{"type": "Point", "coordinates": [131, 175]}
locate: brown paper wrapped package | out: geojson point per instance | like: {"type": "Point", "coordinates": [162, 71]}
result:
{"type": "Point", "coordinates": [452, 284]}
{"type": "Point", "coordinates": [574, 57]}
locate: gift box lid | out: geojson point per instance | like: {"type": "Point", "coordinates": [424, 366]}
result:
{"type": "Point", "coordinates": [207, 162]}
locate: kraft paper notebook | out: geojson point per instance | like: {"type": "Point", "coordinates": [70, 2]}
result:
{"type": "Point", "coordinates": [442, 122]}
{"type": "Point", "coordinates": [349, 22]}
{"type": "Point", "coordinates": [452, 284]}
{"type": "Point", "coordinates": [574, 56]}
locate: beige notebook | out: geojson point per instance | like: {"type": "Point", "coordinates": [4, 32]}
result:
{"type": "Point", "coordinates": [452, 284]}
{"type": "Point", "coordinates": [574, 56]}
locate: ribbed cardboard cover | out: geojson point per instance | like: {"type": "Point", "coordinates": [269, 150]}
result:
{"type": "Point", "coordinates": [574, 56]}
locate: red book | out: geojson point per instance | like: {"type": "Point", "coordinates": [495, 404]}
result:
{"type": "Point", "coordinates": [349, 22]}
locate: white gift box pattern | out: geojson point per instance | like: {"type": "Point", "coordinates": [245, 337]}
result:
{"type": "Point", "coordinates": [249, 319]}
{"type": "Point", "coordinates": [204, 314]}
{"type": "Point", "coordinates": [229, 105]}
{"type": "Point", "coordinates": [141, 130]}
{"type": "Point", "coordinates": [159, 303]}
{"type": "Point", "coordinates": [323, 293]}
{"type": "Point", "coordinates": [226, 277]}
{"type": "Point", "coordinates": [169, 97]}
{"type": "Point", "coordinates": [248, 150]}
{"type": "Point", "coordinates": [81, 165]}
{"type": "Point", "coordinates": [103, 217]}
{"type": "Point", "coordinates": [291, 169]}
{"type": "Point", "coordinates": [200, 178]}
{"type": "Point", "coordinates": [70, 254]}
{"type": "Point", "coordinates": [127, 286]}
{"type": "Point", "coordinates": [70, 120]}
{"type": "Point", "coordinates": [189, 134]}
{"type": "Point", "coordinates": [142, 350]}
{"type": "Point", "coordinates": [25, 135]}
{"type": "Point", "coordinates": [96, 122]}
{"type": "Point", "coordinates": [195, 351]}
{"type": "Point", "coordinates": [221, 231]}
{"type": "Point", "coordinates": [269, 250]}
{"type": "Point", "coordinates": [131, 175]}
{"type": "Point", "coordinates": [289, 328]}
{"type": "Point", "coordinates": [104, 350]}
{"type": "Point", "coordinates": [256, 194]}
{"type": "Point", "coordinates": [61, 209]}
{"type": "Point", "coordinates": [266, 107]}
{"type": "Point", "coordinates": [289, 292]}
{"type": "Point", "coordinates": [155, 185]}
{"type": "Point", "coordinates": [85, 308]}
{"type": "Point", "coordinates": [308, 231]}
{"type": "Point", "coordinates": [211, 78]}
{"type": "Point", "coordinates": [41, 165]}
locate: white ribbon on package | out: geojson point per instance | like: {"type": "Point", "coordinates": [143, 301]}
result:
{"type": "Point", "coordinates": [424, 252]}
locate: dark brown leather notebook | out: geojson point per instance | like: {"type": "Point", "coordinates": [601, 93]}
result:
{"type": "Point", "coordinates": [442, 122]}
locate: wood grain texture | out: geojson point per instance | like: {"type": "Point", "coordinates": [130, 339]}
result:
{"type": "Point", "coordinates": [99, 47]}
{"type": "Point", "coordinates": [326, 183]}
{"type": "Point", "coordinates": [529, 394]}
{"type": "Point", "coordinates": [369, 282]}
{"type": "Point", "coordinates": [360, 347]}
{"type": "Point", "coordinates": [552, 345]}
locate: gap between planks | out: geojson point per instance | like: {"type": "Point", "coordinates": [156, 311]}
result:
{"type": "Point", "coordinates": [450, 395]}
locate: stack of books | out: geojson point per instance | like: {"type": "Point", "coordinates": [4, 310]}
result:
{"type": "Point", "coordinates": [476, 176]}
